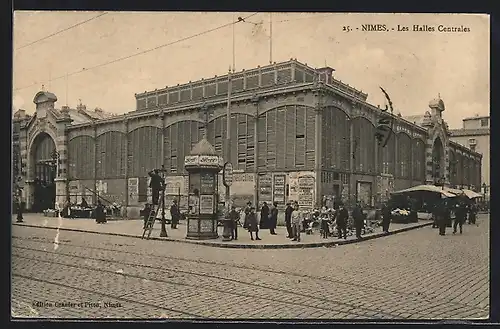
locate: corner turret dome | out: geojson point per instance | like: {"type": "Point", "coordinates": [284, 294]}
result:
{"type": "Point", "coordinates": [437, 104]}
{"type": "Point", "coordinates": [44, 96]}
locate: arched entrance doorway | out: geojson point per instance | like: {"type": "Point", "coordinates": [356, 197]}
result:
{"type": "Point", "coordinates": [44, 172]}
{"type": "Point", "coordinates": [438, 162]}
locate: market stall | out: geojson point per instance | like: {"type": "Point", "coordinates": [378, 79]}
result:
{"type": "Point", "coordinates": [416, 202]}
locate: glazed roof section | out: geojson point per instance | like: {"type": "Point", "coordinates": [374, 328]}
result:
{"type": "Point", "coordinates": [470, 132]}
{"type": "Point", "coordinates": [260, 78]}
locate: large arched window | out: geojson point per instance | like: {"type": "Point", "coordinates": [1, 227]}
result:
{"type": "Point", "coordinates": [179, 139]}
{"type": "Point", "coordinates": [453, 167]}
{"type": "Point", "coordinates": [418, 160]}
{"type": "Point", "coordinates": [144, 150]}
{"type": "Point", "coordinates": [404, 156]}
{"type": "Point", "coordinates": [459, 167]}
{"type": "Point", "coordinates": [465, 171]}
{"type": "Point", "coordinates": [335, 139]}
{"type": "Point", "coordinates": [110, 153]}
{"type": "Point", "coordinates": [364, 145]}
{"type": "Point", "coordinates": [386, 156]}
{"type": "Point", "coordinates": [81, 160]}
{"type": "Point", "coordinates": [285, 138]}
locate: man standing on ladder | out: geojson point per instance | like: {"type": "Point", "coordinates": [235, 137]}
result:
{"type": "Point", "coordinates": [155, 184]}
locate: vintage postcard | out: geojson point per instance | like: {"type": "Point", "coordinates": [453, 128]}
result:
{"type": "Point", "coordinates": [250, 166]}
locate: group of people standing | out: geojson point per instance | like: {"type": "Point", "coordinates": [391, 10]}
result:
{"type": "Point", "coordinates": [294, 220]}
{"type": "Point", "coordinates": [442, 215]}
{"type": "Point", "coordinates": [340, 215]}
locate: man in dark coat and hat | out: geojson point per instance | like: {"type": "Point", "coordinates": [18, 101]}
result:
{"type": "Point", "coordinates": [175, 214]}
{"type": "Point", "coordinates": [357, 215]}
{"type": "Point", "coordinates": [342, 215]}
{"type": "Point", "coordinates": [156, 185]}
{"type": "Point", "coordinates": [264, 216]}
{"type": "Point", "coordinates": [288, 220]}
{"type": "Point", "coordinates": [273, 219]}
{"type": "Point", "coordinates": [386, 217]}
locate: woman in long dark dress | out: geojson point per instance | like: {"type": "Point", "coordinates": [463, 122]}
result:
{"type": "Point", "coordinates": [264, 216]}
{"type": "Point", "coordinates": [253, 225]}
{"type": "Point", "coordinates": [100, 215]}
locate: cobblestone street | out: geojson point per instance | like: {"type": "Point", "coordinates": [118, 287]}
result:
{"type": "Point", "coordinates": [411, 275]}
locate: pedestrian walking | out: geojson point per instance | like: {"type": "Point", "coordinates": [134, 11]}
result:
{"type": "Point", "coordinates": [296, 222]}
{"type": "Point", "coordinates": [253, 225]}
{"type": "Point", "coordinates": [175, 214]}
{"type": "Point", "coordinates": [460, 214]}
{"type": "Point", "coordinates": [273, 219]}
{"type": "Point", "coordinates": [19, 209]}
{"type": "Point", "coordinates": [247, 212]}
{"type": "Point", "coordinates": [435, 215]}
{"type": "Point", "coordinates": [386, 217]}
{"type": "Point", "coordinates": [472, 213]}
{"type": "Point", "coordinates": [234, 216]}
{"type": "Point", "coordinates": [342, 215]}
{"type": "Point", "coordinates": [325, 230]}
{"type": "Point", "coordinates": [264, 216]}
{"type": "Point", "coordinates": [288, 220]}
{"type": "Point", "coordinates": [359, 221]}
{"type": "Point", "coordinates": [442, 216]}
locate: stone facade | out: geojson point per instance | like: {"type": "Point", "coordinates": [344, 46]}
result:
{"type": "Point", "coordinates": [291, 126]}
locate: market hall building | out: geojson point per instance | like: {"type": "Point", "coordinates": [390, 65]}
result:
{"type": "Point", "coordinates": [297, 133]}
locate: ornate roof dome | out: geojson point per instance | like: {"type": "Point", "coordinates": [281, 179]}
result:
{"type": "Point", "coordinates": [44, 96]}
{"type": "Point", "coordinates": [203, 147]}
{"type": "Point", "coordinates": [437, 103]}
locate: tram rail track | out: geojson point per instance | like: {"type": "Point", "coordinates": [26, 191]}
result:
{"type": "Point", "coordinates": [118, 298]}
{"type": "Point", "coordinates": [217, 290]}
{"type": "Point", "coordinates": [422, 297]}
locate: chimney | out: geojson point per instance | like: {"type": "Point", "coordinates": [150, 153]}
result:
{"type": "Point", "coordinates": [81, 107]}
{"type": "Point", "coordinates": [20, 114]}
{"type": "Point", "coordinates": [326, 74]}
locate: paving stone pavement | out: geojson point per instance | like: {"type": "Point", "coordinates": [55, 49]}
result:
{"type": "Point", "coordinates": [133, 228]}
{"type": "Point", "coordinates": [412, 275]}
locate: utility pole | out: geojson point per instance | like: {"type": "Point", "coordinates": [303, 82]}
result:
{"type": "Point", "coordinates": [228, 131]}
{"type": "Point", "coordinates": [270, 38]}
{"type": "Point", "coordinates": [234, 49]}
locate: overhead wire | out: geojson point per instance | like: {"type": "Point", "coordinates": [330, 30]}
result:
{"type": "Point", "coordinates": [61, 31]}
{"type": "Point", "coordinates": [141, 52]}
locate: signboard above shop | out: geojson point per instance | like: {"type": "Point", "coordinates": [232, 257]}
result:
{"type": "Point", "coordinates": [203, 160]}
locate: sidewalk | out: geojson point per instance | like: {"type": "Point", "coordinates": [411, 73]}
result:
{"type": "Point", "coordinates": [133, 228]}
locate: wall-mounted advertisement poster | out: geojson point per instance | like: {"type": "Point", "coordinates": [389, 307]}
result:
{"type": "Point", "coordinates": [133, 191]}
{"type": "Point", "coordinates": [265, 188]}
{"type": "Point", "coordinates": [306, 192]}
{"type": "Point", "coordinates": [279, 189]}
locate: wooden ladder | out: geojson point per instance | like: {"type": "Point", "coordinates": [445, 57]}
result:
{"type": "Point", "coordinates": [148, 228]}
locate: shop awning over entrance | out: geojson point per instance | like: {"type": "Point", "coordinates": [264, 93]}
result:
{"type": "Point", "coordinates": [426, 188]}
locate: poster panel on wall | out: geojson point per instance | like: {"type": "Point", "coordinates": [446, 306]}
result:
{"type": "Point", "coordinates": [265, 188]}
{"type": "Point", "coordinates": [133, 191]}
{"type": "Point", "coordinates": [306, 191]}
{"type": "Point", "coordinates": [279, 189]}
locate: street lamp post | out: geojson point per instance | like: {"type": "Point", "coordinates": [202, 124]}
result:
{"type": "Point", "coordinates": [163, 232]}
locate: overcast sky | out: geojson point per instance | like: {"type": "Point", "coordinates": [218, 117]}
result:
{"type": "Point", "coordinates": [414, 67]}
